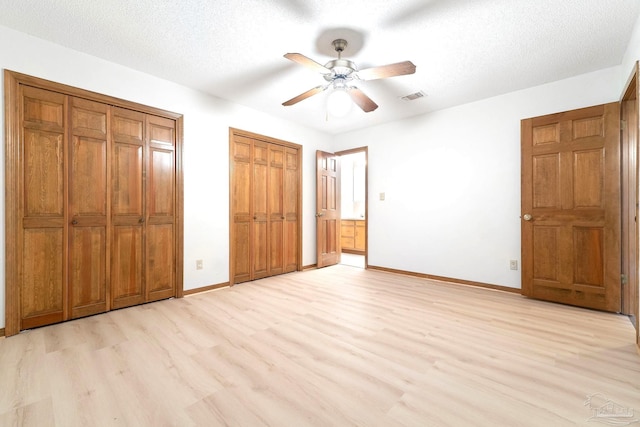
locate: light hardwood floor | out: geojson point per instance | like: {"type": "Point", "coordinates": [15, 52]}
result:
{"type": "Point", "coordinates": [338, 346]}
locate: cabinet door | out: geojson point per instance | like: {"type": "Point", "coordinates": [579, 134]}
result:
{"type": "Point", "coordinates": [160, 268]}
{"type": "Point", "coordinates": [88, 208]}
{"type": "Point", "coordinates": [360, 234]}
{"type": "Point", "coordinates": [127, 207]}
{"type": "Point", "coordinates": [42, 269]}
{"type": "Point", "coordinates": [347, 234]}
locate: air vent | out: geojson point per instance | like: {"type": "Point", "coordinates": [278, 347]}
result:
{"type": "Point", "coordinates": [413, 96]}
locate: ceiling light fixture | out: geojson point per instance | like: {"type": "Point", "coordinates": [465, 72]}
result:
{"type": "Point", "coordinates": [339, 101]}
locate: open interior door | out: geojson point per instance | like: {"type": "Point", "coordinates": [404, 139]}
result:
{"type": "Point", "coordinates": [327, 208]}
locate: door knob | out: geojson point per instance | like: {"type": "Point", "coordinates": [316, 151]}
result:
{"type": "Point", "coordinates": [319, 214]}
{"type": "Point", "coordinates": [141, 220]}
{"type": "Point", "coordinates": [74, 222]}
{"type": "Point", "coordinates": [527, 217]}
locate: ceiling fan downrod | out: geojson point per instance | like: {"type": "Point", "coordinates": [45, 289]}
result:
{"type": "Point", "coordinates": [339, 45]}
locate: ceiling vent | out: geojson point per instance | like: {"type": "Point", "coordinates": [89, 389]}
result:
{"type": "Point", "coordinates": [413, 96]}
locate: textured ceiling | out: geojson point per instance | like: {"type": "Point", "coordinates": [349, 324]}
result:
{"type": "Point", "coordinates": [464, 50]}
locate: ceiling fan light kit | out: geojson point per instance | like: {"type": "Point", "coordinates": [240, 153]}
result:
{"type": "Point", "coordinates": [340, 72]}
{"type": "Point", "coordinates": [339, 102]}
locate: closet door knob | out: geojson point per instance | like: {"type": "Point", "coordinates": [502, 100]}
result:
{"type": "Point", "coordinates": [74, 222]}
{"type": "Point", "coordinates": [141, 220]}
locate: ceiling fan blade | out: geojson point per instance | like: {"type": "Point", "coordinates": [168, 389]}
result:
{"type": "Point", "coordinates": [384, 71]}
{"type": "Point", "coordinates": [305, 95]}
{"type": "Point", "coordinates": [307, 62]}
{"type": "Point", "coordinates": [362, 100]}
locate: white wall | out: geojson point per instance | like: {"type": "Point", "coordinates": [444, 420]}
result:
{"type": "Point", "coordinates": [631, 56]}
{"type": "Point", "coordinates": [452, 181]}
{"type": "Point", "coordinates": [206, 146]}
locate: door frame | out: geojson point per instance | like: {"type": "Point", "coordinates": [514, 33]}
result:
{"type": "Point", "coordinates": [365, 150]}
{"type": "Point", "coordinates": [629, 134]}
{"type": "Point", "coordinates": [232, 133]}
{"type": "Point", "coordinates": [12, 83]}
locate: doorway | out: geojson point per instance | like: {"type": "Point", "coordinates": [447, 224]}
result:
{"type": "Point", "coordinates": [353, 207]}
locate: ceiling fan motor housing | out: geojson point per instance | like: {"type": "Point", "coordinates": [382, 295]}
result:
{"type": "Point", "coordinates": [339, 68]}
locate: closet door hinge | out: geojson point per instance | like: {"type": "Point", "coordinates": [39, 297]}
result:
{"type": "Point", "coordinates": [623, 279]}
{"type": "Point", "coordinates": [623, 125]}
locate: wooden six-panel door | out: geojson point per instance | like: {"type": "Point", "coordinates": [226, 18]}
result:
{"type": "Point", "coordinates": [571, 207]}
{"type": "Point", "coordinates": [327, 209]}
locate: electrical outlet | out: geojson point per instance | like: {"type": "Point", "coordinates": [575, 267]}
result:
{"type": "Point", "coordinates": [198, 264]}
{"type": "Point", "coordinates": [513, 264]}
{"type": "Point", "coordinates": [382, 196]}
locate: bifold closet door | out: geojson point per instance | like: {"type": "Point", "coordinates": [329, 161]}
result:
{"type": "Point", "coordinates": [160, 228]}
{"type": "Point", "coordinates": [127, 207]}
{"type": "Point", "coordinates": [259, 210]}
{"type": "Point", "coordinates": [88, 208]}
{"type": "Point", "coordinates": [93, 203]}
{"type": "Point", "coordinates": [143, 208]}
{"type": "Point", "coordinates": [241, 213]}
{"type": "Point", "coordinates": [290, 198]}
{"type": "Point", "coordinates": [264, 204]}
{"type": "Point", "coordinates": [42, 252]}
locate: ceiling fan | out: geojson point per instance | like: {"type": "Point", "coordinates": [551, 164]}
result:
{"type": "Point", "coordinates": [340, 73]}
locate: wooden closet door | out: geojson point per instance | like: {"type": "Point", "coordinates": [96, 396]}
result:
{"type": "Point", "coordinates": [127, 207]}
{"type": "Point", "coordinates": [275, 216]}
{"type": "Point", "coordinates": [290, 209]}
{"type": "Point", "coordinates": [264, 207]}
{"type": "Point", "coordinates": [160, 267]}
{"type": "Point", "coordinates": [42, 253]}
{"type": "Point", "coordinates": [241, 218]}
{"type": "Point", "coordinates": [88, 208]}
{"type": "Point", "coordinates": [260, 229]}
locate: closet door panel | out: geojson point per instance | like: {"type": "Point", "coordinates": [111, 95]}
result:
{"type": "Point", "coordinates": [160, 270]}
{"type": "Point", "coordinates": [42, 248]}
{"type": "Point", "coordinates": [260, 232]}
{"type": "Point", "coordinates": [43, 173]}
{"type": "Point", "coordinates": [88, 271]}
{"type": "Point", "coordinates": [290, 209]}
{"type": "Point", "coordinates": [275, 195]}
{"type": "Point", "coordinates": [88, 204]}
{"type": "Point", "coordinates": [127, 180]}
{"type": "Point", "coordinates": [42, 293]}
{"type": "Point", "coordinates": [127, 208]}
{"type": "Point", "coordinates": [241, 171]}
{"type": "Point", "coordinates": [126, 269]}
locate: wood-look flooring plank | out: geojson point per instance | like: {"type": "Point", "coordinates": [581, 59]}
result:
{"type": "Point", "coordinates": [338, 346]}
